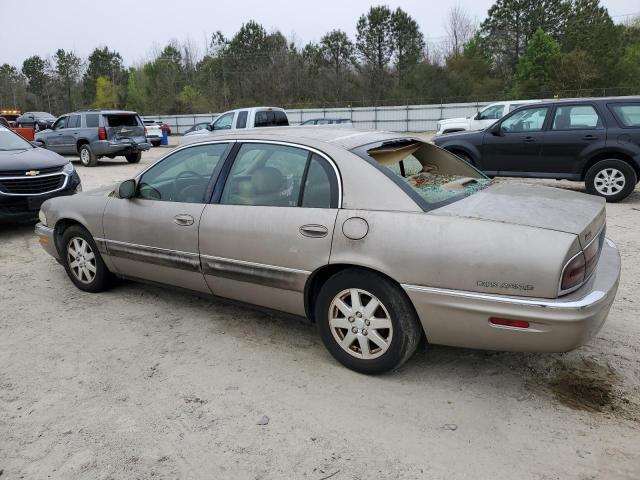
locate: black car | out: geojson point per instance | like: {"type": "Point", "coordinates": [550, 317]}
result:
{"type": "Point", "coordinates": [595, 140]}
{"type": "Point", "coordinates": [29, 176]}
{"type": "Point", "coordinates": [37, 120]}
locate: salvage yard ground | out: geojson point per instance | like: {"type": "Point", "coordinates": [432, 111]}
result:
{"type": "Point", "coordinates": [144, 382]}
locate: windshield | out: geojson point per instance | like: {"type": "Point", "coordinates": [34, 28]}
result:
{"type": "Point", "coordinates": [12, 141]}
{"type": "Point", "coordinates": [432, 176]}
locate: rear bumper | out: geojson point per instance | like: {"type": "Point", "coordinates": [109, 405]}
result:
{"type": "Point", "coordinates": [108, 147]}
{"type": "Point", "coordinates": [457, 318]}
{"type": "Point", "coordinates": [46, 239]}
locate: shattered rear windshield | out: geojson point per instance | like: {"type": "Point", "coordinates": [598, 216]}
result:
{"type": "Point", "coordinates": [436, 176]}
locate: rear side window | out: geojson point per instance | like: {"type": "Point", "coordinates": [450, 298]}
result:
{"type": "Point", "coordinates": [121, 120]}
{"type": "Point", "coordinates": [91, 120]}
{"type": "Point", "coordinates": [271, 118]}
{"type": "Point", "coordinates": [627, 114]}
{"type": "Point", "coordinates": [320, 185]}
{"type": "Point", "coordinates": [74, 121]}
{"type": "Point", "coordinates": [576, 117]}
{"type": "Point", "coordinates": [242, 119]}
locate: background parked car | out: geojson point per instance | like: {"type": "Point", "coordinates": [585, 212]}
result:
{"type": "Point", "coordinates": [36, 120]}
{"type": "Point", "coordinates": [593, 140]}
{"type": "Point", "coordinates": [244, 118]}
{"type": "Point", "coordinates": [29, 176]}
{"type": "Point", "coordinates": [153, 132]}
{"type": "Point", "coordinates": [484, 118]}
{"type": "Point", "coordinates": [325, 121]}
{"type": "Point", "coordinates": [92, 134]}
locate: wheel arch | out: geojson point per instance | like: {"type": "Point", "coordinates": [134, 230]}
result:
{"type": "Point", "coordinates": [609, 155]}
{"type": "Point", "coordinates": [61, 226]}
{"type": "Point", "coordinates": [321, 275]}
{"type": "Point", "coordinates": [80, 142]}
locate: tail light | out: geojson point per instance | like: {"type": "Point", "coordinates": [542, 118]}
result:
{"type": "Point", "coordinates": [102, 133]}
{"type": "Point", "coordinates": [145, 131]}
{"type": "Point", "coordinates": [574, 272]}
{"type": "Point", "coordinates": [582, 265]}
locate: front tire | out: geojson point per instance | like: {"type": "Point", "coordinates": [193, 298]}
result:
{"type": "Point", "coordinates": [83, 262]}
{"type": "Point", "coordinates": [612, 179]}
{"type": "Point", "coordinates": [87, 157]}
{"type": "Point", "coordinates": [366, 321]}
{"type": "Point", "coordinates": [134, 157]}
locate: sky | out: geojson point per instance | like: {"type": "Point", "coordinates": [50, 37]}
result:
{"type": "Point", "coordinates": [137, 29]}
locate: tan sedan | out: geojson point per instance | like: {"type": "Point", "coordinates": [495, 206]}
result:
{"type": "Point", "coordinates": [381, 239]}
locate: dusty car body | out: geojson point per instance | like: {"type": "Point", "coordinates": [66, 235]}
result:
{"type": "Point", "coordinates": [389, 240]}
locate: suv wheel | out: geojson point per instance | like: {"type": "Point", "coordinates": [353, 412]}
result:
{"type": "Point", "coordinates": [612, 179]}
{"type": "Point", "coordinates": [366, 321]}
{"type": "Point", "coordinates": [133, 157]}
{"type": "Point", "coordinates": [87, 157]}
{"type": "Point", "coordinates": [83, 262]}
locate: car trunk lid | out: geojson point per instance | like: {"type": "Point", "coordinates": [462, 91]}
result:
{"type": "Point", "coordinates": [534, 206]}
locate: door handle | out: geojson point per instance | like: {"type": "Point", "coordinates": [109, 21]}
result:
{"type": "Point", "coordinates": [529, 140]}
{"type": "Point", "coordinates": [183, 220]}
{"type": "Point", "coordinates": [314, 231]}
{"type": "Point", "coordinates": [588, 137]}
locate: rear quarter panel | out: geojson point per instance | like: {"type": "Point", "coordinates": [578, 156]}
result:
{"type": "Point", "coordinates": [457, 253]}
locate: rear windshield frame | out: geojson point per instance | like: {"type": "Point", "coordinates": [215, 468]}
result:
{"type": "Point", "coordinates": [362, 152]}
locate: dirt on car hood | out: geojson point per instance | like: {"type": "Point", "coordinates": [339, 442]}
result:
{"type": "Point", "coordinates": [534, 206]}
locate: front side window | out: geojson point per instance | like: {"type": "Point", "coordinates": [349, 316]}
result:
{"type": "Point", "coordinates": [576, 117]}
{"type": "Point", "coordinates": [627, 114]}
{"type": "Point", "coordinates": [493, 112]}
{"type": "Point", "coordinates": [60, 123]}
{"type": "Point", "coordinates": [527, 120]}
{"type": "Point", "coordinates": [183, 176]}
{"type": "Point", "coordinates": [225, 122]}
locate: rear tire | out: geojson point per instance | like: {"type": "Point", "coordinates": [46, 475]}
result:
{"type": "Point", "coordinates": [612, 179]}
{"type": "Point", "coordinates": [83, 262]}
{"type": "Point", "coordinates": [133, 157]}
{"type": "Point", "coordinates": [363, 337]}
{"type": "Point", "coordinates": [87, 157]}
{"type": "Point", "coordinates": [156, 144]}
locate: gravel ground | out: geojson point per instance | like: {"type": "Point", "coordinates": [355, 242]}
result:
{"type": "Point", "coordinates": [150, 383]}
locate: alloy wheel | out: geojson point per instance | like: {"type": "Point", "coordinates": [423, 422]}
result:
{"type": "Point", "coordinates": [84, 156]}
{"type": "Point", "coordinates": [81, 259]}
{"type": "Point", "coordinates": [609, 181]}
{"type": "Point", "coordinates": [360, 323]}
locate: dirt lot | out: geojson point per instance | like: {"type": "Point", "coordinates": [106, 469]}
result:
{"type": "Point", "coordinates": [143, 382]}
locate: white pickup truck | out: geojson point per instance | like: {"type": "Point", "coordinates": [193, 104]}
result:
{"type": "Point", "coordinates": [483, 119]}
{"type": "Point", "coordinates": [244, 118]}
{"type": "Point", "coordinates": [153, 132]}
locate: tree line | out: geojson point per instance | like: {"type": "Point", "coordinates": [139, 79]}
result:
{"type": "Point", "coordinates": [522, 49]}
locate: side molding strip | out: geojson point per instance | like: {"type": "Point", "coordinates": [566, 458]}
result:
{"type": "Point", "coordinates": [158, 256]}
{"type": "Point", "coordinates": [267, 275]}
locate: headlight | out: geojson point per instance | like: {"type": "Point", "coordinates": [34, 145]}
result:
{"type": "Point", "coordinates": [42, 217]}
{"type": "Point", "coordinates": [68, 168]}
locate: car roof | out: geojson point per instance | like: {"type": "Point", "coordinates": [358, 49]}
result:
{"type": "Point", "coordinates": [561, 101]}
{"type": "Point", "coordinates": [347, 139]}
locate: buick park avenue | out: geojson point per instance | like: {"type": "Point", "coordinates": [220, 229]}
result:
{"type": "Point", "coordinates": [383, 240]}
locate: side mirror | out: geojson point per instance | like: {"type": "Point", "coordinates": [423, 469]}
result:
{"type": "Point", "coordinates": [127, 189]}
{"type": "Point", "coordinates": [496, 130]}
{"type": "Point", "coordinates": [210, 127]}
{"type": "Point", "coordinates": [476, 116]}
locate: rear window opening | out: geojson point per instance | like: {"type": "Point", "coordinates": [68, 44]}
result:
{"type": "Point", "coordinates": [271, 118]}
{"type": "Point", "coordinates": [432, 176]}
{"type": "Point", "coordinates": [121, 120]}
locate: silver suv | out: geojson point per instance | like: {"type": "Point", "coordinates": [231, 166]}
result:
{"type": "Point", "coordinates": [92, 134]}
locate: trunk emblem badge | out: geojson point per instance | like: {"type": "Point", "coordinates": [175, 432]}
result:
{"type": "Point", "coordinates": [32, 173]}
